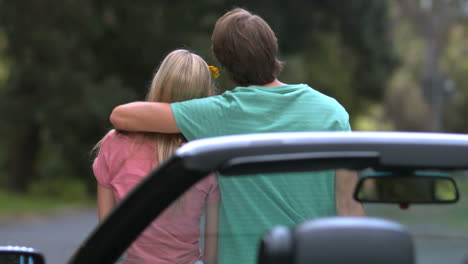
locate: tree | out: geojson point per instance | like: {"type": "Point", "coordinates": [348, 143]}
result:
{"type": "Point", "coordinates": [70, 62]}
{"type": "Point", "coordinates": [455, 62]}
{"type": "Point", "coordinates": [433, 22]}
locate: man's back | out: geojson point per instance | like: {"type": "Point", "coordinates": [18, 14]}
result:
{"type": "Point", "coordinates": [252, 205]}
{"type": "Point", "coordinates": [247, 49]}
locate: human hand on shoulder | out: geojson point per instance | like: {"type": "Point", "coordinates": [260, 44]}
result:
{"type": "Point", "coordinates": [144, 117]}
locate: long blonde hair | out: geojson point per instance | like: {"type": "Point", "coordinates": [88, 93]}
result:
{"type": "Point", "coordinates": [182, 76]}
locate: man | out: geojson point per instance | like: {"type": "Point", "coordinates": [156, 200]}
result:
{"type": "Point", "coordinates": [247, 49]}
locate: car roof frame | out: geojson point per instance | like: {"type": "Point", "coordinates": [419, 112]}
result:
{"type": "Point", "coordinates": [250, 154]}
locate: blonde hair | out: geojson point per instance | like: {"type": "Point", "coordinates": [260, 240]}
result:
{"type": "Point", "coordinates": [182, 76]}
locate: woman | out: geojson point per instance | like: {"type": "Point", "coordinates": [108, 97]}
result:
{"type": "Point", "coordinates": [124, 159]}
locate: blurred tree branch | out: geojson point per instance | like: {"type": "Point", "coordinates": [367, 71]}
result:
{"type": "Point", "coordinates": [433, 21]}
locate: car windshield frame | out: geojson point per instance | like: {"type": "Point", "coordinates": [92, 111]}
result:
{"type": "Point", "coordinates": [261, 153]}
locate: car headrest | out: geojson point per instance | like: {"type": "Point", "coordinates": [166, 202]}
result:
{"type": "Point", "coordinates": [338, 240]}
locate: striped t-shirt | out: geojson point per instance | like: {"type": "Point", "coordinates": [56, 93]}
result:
{"type": "Point", "coordinates": [250, 206]}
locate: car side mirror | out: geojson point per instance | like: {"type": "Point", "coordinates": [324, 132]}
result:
{"type": "Point", "coordinates": [406, 188]}
{"type": "Point", "coordinates": [20, 255]}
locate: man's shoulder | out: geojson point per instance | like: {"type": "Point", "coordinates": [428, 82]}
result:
{"type": "Point", "coordinates": [325, 100]}
{"type": "Point", "coordinates": [199, 101]}
{"type": "Point", "coordinates": [336, 114]}
{"type": "Point", "coordinates": [200, 105]}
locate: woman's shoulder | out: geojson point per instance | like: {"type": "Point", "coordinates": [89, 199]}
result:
{"type": "Point", "coordinates": [120, 148]}
{"type": "Point", "coordinates": [122, 143]}
{"type": "Point", "coordinates": [121, 136]}
{"type": "Point", "coordinates": [115, 134]}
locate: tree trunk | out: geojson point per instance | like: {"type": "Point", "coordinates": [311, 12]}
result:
{"type": "Point", "coordinates": [22, 160]}
{"type": "Point", "coordinates": [433, 25]}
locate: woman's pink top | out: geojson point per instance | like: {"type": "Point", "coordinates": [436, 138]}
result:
{"type": "Point", "coordinates": [122, 163]}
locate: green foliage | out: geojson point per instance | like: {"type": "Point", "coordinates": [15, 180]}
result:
{"type": "Point", "coordinates": [405, 106]}
{"type": "Point", "coordinates": [3, 63]}
{"type": "Point", "coordinates": [66, 64]}
{"type": "Point", "coordinates": [456, 64]}
{"type": "Point", "coordinates": [15, 206]}
{"type": "Point", "coordinates": [428, 90]}
{"type": "Point", "coordinates": [65, 189]}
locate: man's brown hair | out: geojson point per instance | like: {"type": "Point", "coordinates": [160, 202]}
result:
{"type": "Point", "coordinates": [246, 47]}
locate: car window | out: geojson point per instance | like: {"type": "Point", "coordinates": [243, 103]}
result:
{"type": "Point", "coordinates": [439, 231]}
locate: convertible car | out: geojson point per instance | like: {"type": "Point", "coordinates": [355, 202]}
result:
{"type": "Point", "coordinates": [401, 174]}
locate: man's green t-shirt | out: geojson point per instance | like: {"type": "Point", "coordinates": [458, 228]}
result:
{"type": "Point", "coordinates": [250, 206]}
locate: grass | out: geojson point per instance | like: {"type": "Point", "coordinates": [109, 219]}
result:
{"type": "Point", "coordinates": [17, 206]}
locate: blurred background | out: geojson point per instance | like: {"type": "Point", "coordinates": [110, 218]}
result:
{"type": "Point", "coordinates": [64, 64]}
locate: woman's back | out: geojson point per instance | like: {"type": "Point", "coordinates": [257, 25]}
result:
{"type": "Point", "coordinates": [123, 161]}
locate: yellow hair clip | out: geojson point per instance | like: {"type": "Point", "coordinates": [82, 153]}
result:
{"type": "Point", "coordinates": [214, 71]}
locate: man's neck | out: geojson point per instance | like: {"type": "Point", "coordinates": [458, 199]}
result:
{"type": "Point", "coordinates": [274, 83]}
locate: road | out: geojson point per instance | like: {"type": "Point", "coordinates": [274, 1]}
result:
{"type": "Point", "coordinates": [439, 250]}
{"type": "Point", "coordinates": [59, 235]}
{"type": "Point", "coordinates": [56, 236]}
{"type": "Point", "coordinates": [435, 244]}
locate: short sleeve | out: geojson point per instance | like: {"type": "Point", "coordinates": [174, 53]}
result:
{"type": "Point", "coordinates": [101, 170]}
{"type": "Point", "coordinates": [101, 162]}
{"type": "Point", "coordinates": [198, 118]}
{"type": "Point", "coordinates": [347, 127]}
{"type": "Point", "coordinates": [340, 119]}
